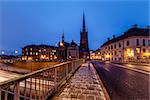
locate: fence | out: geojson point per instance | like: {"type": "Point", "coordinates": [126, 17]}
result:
{"type": "Point", "coordinates": [38, 85]}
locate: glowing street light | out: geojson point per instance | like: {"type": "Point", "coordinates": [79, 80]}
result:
{"type": "Point", "coordinates": [16, 51]}
{"type": "Point", "coordinates": [3, 52]}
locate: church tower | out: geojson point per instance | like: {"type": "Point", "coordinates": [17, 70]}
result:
{"type": "Point", "coordinates": [84, 49]}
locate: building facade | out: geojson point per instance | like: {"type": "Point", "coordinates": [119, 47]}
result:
{"type": "Point", "coordinates": [62, 49]}
{"type": "Point", "coordinates": [39, 52]}
{"type": "Point", "coordinates": [67, 51]}
{"type": "Point", "coordinates": [73, 51]}
{"type": "Point", "coordinates": [84, 48]}
{"type": "Point", "coordinates": [132, 46]}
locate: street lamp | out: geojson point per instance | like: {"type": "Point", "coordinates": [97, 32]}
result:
{"type": "Point", "coordinates": [3, 52]}
{"type": "Point", "coordinates": [16, 51]}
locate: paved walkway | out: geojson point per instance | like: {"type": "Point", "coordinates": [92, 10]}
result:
{"type": "Point", "coordinates": [84, 85]}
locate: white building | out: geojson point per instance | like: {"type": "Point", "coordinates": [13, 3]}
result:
{"type": "Point", "coordinates": [133, 45]}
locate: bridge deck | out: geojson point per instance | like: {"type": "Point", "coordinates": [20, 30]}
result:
{"type": "Point", "coordinates": [84, 85]}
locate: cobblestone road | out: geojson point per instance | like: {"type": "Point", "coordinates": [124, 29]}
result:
{"type": "Point", "coordinates": [84, 85]}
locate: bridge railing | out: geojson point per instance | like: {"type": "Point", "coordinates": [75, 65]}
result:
{"type": "Point", "coordinates": [40, 84]}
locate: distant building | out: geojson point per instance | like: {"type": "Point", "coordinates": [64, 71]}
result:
{"type": "Point", "coordinates": [95, 54]}
{"type": "Point", "coordinates": [73, 51]}
{"type": "Point", "coordinates": [39, 52]}
{"type": "Point", "coordinates": [84, 48]}
{"type": "Point", "coordinates": [62, 49]}
{"type": "Point", "coordinates": [67, 51]}
{"type": "Point", "coordinates": [133, 45]}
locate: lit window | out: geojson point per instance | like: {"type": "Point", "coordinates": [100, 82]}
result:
{"type": "Point", "coordinates": [30, 53]}
{"type": "Point", "coordinates": [36, 53]}
{"type": "Point", "coordinates": [26, 49]}
{"type": "Point", "coordinates": [129, 52]}
{"type": "Point", "coordinates": [30, 49]}
{"type": "Point", "coordinates": [26, 53]}
{"type": "Point", "coordinates": [138, 50]}
{"type": "Point", "coordinates": [61, 44]}
{"type": "Point", "coordinates": [29, 58]}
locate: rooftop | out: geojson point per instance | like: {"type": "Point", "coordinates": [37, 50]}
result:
{"type": "Point", "coordinates": [134, 31]}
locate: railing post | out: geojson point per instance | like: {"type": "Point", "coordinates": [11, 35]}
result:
{"type": "Point", "coordinates": [16, 91]}
{"type": "Point", "coordinates": [25, 89]}
{"type": "Point", "coordinates": [0, 93]}
{"type": "Point", "coordinates": [71, 66]}
{"type": "Point", "coordinates": [55, 79]}
{"type": "Point", "coordinates": [30, 88]}
{"type": "Point", "coordinates": [66, 70]}
{"type": "Point", "coordinates": [6, 92]}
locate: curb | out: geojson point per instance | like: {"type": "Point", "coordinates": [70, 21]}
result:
{"type": "Point", "coordinates": [133, 69]}
{"type": "Point", "coordinates": [101, 83]}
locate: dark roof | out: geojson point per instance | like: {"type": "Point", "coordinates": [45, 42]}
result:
{"type": "Point", "coordinates": [39, 46]}
{"type": "Point", "coordinates": [129, 33]}
{"type": "Point", "coordinates": [73, 43]}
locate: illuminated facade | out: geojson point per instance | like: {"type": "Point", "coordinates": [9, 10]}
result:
{"type": "Point", "coordinates": [133, 45]}
{"type": "Point", "coordinates": [67, 51]}
{"type": "Point", "coordinates": [39, 52]}
{"type": "Point", "coordinates": [73, 51]}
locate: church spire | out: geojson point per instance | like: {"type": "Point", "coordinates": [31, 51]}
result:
{"type": "Point", "coordinates": [63, 37]}
{"type": "Point", "coordinates": [84, 26]}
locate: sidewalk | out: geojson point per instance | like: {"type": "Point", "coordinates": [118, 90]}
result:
{"type": "Point", "coordinates": [84, 85]}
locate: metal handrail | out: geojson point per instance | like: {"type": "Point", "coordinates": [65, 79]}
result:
{"type": "Point", "coordinates": [65, 69]}
{"type": "Point", "coordinates": [22, 77]}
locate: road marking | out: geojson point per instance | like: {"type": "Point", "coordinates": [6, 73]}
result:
{"type": "Point", "coordinates": [133, 69]}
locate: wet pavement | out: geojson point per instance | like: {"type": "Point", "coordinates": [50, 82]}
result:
{"type": "Point", "coordinates": [84, 85]}
{"type": "Point", "coordinates": [122, 83]}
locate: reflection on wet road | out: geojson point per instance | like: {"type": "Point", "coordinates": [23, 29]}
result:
{"type": "Point", "coordinates": [122, 83]}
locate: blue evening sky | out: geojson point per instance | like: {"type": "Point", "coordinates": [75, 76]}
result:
{"type": "Point", "coordinates": [43, 21]}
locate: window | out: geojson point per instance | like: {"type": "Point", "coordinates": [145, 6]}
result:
{"type": "Point", "coordinates": [128, 43]}
{"type": "Point", "coordinates": [119, 45]}
{"type": "Point", "coordinates": [36, 53]}
{"type": "Point", "coordinates": [137, 42]}
{"type": "Point", "coordinates": [111, 46]}
{"type": "Point", "coordinates": [115, 46]}
{"type": "Point", "coordinates": [30, 49]}
{"type": "Point", "coordinates": [148, 42]}
{"type": "Point", "coordinates": [143, 42]}
{"type": "Point", "coordinates": [144, 50]}
{"type": "Point", "coordinates": [137, 50]}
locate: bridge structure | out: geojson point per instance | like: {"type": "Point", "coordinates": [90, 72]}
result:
{"type": "Point", "coordinates": [40, 84]}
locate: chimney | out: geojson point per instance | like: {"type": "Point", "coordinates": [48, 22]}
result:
{"type": "Point", "coordinates": [108, 39]}
{"type": "Point", "coordinates": [134, 26]}
{"type": "Point", "coordinates": [148, 27]}
{"type": "Point", "coordinates": [114, 36]}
